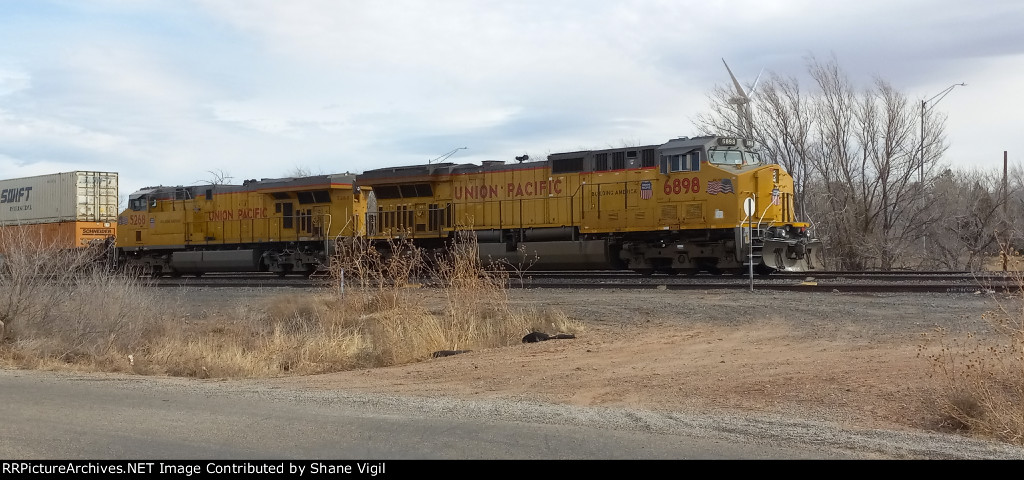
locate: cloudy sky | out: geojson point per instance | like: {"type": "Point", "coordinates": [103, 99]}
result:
{"type": "Point", "coordinates": [175, 92]}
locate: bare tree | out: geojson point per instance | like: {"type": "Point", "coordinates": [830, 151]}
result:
{"type": "Point", "coordinates": [967, 231]}
{"type": "Point", "coordinates": [303, 171]}
{"type": "Point", "coordinates": [217, 177]}
{"type": "Point", "coordinates": [855, 157]}
{"type": "Point", "coordinates": [781, 124]}
{"type": "Point", "coordinates": [837, 165]}
{"type": "Point", "coordinates": [892, 200]}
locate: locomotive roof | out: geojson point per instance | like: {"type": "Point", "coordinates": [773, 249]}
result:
{"type": "Point", "coordinates": [429, 172]}
{"type": "Point", "coordinates": [279, 184]}
{"type": "Point", "coordinates": [426, 171]}
{"type": "Point", "coordinates": [681, 142]}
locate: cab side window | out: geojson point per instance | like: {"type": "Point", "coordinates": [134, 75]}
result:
{"type": "Point", "coordinates": [686, 162]}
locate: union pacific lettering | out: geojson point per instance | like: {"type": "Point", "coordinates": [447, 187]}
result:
{"type": "Point", "coordinates": [239, 214]}
{"type": "Point", "coordinates": [530, 189]}
{"type": "Point", "coordinates": [219, 215]}
{"type": "Point", "coordinates": [476, 192]}
{"type": "Point", "coordinates": [248, 213]}
{"type": "Point", "coordinates": [511, 190]}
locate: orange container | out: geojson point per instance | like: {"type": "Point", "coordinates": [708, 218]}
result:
{"type": "Point", "coordinates": [57, 235]}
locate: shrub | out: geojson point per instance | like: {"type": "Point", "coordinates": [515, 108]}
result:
{"type": "Point", "coordinates": [91, 318]}
{"type": "Point", "coordinates": [981, 374]}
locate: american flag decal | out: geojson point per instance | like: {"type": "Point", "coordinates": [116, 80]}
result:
{"type": "Point", "coordinates": [776, 200]}
{"type": "Point", "coordinates": [646, 190]}
{"type": "Point", "coordinates": [720, 186]}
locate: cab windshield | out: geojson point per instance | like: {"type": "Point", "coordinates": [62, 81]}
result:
{"type": "Point", "coordinates": [721, 156]}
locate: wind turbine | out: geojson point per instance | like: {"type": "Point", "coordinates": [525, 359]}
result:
{"type": "Point", "coordinates": [741, 103]}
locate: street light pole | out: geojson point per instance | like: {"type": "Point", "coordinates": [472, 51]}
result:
{"type": "Point", "coordinates": [924, 109]}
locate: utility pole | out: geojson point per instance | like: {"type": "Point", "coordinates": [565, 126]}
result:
{"type": "Point", "coordinates": [924, 109]}
{"type": "Point", "coordinates": [1006, 218]}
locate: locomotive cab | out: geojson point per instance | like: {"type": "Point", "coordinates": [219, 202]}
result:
{"type": "Point", "coordinates": [705, 183]}
{"type": "Point", "coordinates": [728, 151]}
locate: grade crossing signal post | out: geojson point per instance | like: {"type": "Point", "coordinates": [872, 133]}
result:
{"type": "Point", "coordinates": [748, 209]}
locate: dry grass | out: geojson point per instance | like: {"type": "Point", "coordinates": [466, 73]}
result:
{"type": "Point", "coordinates": [60, 307]}
{"type": "Point", "coordinates": [981, 374]}
{"type": "Point", "coordinates": [91, 319]}
{"type": "Point", "coordinates": [1013, 261]}
{"type": "Point", "coordinates": [473, 313]}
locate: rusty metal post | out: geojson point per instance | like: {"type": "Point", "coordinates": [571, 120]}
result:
{"type": "Point", "coordinates": [1006, 218]}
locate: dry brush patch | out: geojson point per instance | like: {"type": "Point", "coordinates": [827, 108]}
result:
{"type": "Point", "coordinates": [62, 307]}
{"type": "Point", "coordinates": [471, 309]}
{"type": "Point", "coordinates": [110, 322]}
{"type": "Point", "coordinates": [980, 375]}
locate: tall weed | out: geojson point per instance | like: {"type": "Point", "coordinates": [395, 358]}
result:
{"type": "Point", "coordinates": [981, 373]}
{"type": "Point", "coordinates": [78, 316]}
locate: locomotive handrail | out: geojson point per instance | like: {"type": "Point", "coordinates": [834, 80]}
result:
{"type": "Point", "coordinates": [326, 219]}
{"type": "Point", "coordinates": [572, 208]}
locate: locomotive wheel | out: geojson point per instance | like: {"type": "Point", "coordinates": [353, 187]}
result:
{"type": "Point", "coordinates": [763, 270]}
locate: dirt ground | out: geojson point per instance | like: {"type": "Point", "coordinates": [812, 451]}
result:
{"type": "Point", "coordinates": [851, 359]}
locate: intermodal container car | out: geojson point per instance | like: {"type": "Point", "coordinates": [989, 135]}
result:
{"type": "Point", "coordinates": [68, 209]}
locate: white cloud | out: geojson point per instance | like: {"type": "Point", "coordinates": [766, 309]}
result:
{"type": "Point", "coordinates": [13, 80]}
{"type": "Point", "coordinates": [28, 131]}
{"type": "Point", "coordinates": [163, 91]}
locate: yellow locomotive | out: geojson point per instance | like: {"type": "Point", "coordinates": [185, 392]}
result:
{"type": "Point", "coordinates": [277, 225]}
{"type": "Point", "coordinates": [675, 208]}
{"type": "Point", "coordinates": [679, 207]}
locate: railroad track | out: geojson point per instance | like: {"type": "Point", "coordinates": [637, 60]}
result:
{"type": "Point", "coordinates": [843, 282]}
{"type": "Point", "coordinates": [823, 275]}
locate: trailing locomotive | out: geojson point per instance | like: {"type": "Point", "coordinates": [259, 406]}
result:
{"type": "Point", "coordinates": [277, 225]}
{"type": "Point", "coordinates": [673, 208]}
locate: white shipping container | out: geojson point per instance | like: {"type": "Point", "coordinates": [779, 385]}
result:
{"type": "Point", "coordinates": [60, 197]}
